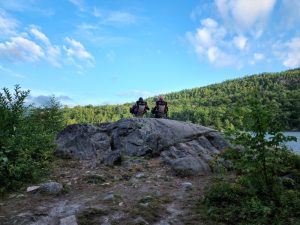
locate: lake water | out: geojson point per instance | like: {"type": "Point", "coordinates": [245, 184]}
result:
{"type": "Point", "coordinates": [294, 145]}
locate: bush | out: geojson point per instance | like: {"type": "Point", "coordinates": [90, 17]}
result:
{"type": "Point", "coordinates": [26, 138]}
{"type": "Point", "coordinates": [237, 203]}
{"type": "Point", "coordinates": [265, 189]}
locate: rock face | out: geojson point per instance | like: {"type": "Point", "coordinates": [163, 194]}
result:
{"type": "Point", "coordinates": [186, 147]}
{"type": "Point", "coordinates": [82, 141]}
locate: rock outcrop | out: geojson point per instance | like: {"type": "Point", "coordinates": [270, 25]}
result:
{"type": "Point", "coordinates": [186, 147]}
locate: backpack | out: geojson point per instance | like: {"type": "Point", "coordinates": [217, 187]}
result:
{"type": "Point", "coordinates": [141, 108]}
{"type": "Point", "coordinates": [161, 107]}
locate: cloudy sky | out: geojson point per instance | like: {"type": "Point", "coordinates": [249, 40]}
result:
{"type": "Point", "coordinates": [107, 52]}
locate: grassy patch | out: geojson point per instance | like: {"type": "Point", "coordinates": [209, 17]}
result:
{"type": "Point", "coordinates": [151, 208]}
{"type": "Point", "coordinates": [95, 179]}
{"type": "Point", "coordinates": [183, 172]}
{"type": "Point", "coordinates": [90, 216]}
{"type": "Point", "coordinates": [194, 208]}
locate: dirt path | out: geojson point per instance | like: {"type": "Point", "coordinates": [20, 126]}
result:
{"type": "Point", "coordinates": [139, 191]}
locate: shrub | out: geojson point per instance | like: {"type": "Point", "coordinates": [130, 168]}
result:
{"type": "Point", "coordinates": [26, 138]}
{"type": "Point", "coordinates": [266, 186]}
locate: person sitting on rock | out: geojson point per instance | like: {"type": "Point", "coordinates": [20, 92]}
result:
{"type": "Point", "coordinates": [139, 108]}
{"type": "Point", "coordinates": [161, 108]}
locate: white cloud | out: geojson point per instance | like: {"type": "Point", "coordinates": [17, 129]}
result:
{"type": "Point", "coordinates": [292, 56]}
{"type": "Point", "coordinates": [258, 56]}
{"type": "Point", "coordinates": [203, 37]}
{"type": "Point", "coordinates": [245, 14]}
{"type": "Point", "coordinates": [223, 7]}
{"type": "Point", "coordinates": [207, 35]}
{"type": "Point", "coordinates": [120, 18]}
{"type": "Point", "coordinates": [8, 25]}
{"type": "Point", "coordinates": [212, 54]}
{"type": "Point", "coordinates": [54, 55]}
{"type": "Point", "coordinates": [208, 42]}
{"type": "Point", "coordinates": [84, 27]}
{"type": "Point", "coordinates": [290, 13]}
{"type": "Point", "coordinates": [78, 55]}
{"type": "Point", "coordinates": [240, 42]}
{"type": "Point", "coordinates": [32, 45]}
{"type": "Point", "coordinates": [39, 35]}
{"type": "Point", "coordinates": [78, 3]}
{"type": "Point", "coordinates": [21, 49]}
{"type": "Point", "coordinates": [42, 97]}
{"type": "Point", "coordinates": [44, 100]}
{"type": "Point", "coordinates": [218, 57]}
{"type": "Point", "coordinates": [209, 23]}
{"type": "Point", "coordinates": [77, 50]}
{"type": "Point", "coordinates": [96, 12]}
{"type": "Point", "coordinates": [288, 52]}
{"type": "Point", "coordinates": [230, 38]}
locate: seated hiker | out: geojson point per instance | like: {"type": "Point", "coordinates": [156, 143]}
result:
{"type": "Point", "coordinates": [161, 108]}
{"type": "Point", "coordinates": [139, 108]}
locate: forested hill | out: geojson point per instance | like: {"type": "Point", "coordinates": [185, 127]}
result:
{"type": "Point", "coordinates": [211, 105]}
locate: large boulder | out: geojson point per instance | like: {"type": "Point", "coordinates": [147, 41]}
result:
{"type": "Point", "coordinates": [83, 141]}
{"type": "Point", "coordinates": [184, 146]}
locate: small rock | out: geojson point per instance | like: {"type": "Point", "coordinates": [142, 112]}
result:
{"type": "Point", "coordinates": [133, 181]}
{"type": "Point", "coordinates": [140, 175]}
{"type": "Point", "coordinates": [116, 178]}
{"type": "Point", "coordinates": [140, 220]}
{"type": "Point", "coordinates": [12, 196]}
{"type": "Point", "coordinates": [32, 188]}
{"type": "Point", "coordinates": [51, 188]}
{"type": "Point", "coordinates": [20, 196]}
{"type": "Point", "coordinates": [105, 221]}
{"type": "Point", "coordinates": [145, 204]}
{"type": "Point", "coordinates": [121, 204]}
{"type": "Point", "coordinates": [70, 220]}
{"type": "Point", "coordinates": [187, 186]}
{"type": "Point", "coordinates": [109, 197]}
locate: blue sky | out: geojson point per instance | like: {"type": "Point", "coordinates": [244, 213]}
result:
{"type": "Point", "coordinates": [110, 52]}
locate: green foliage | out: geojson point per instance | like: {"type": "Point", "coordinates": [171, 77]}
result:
{"type": "Point", "coordinates": [26, 138]}
{"type": "Point", "coordinates": [266, 186]}
{"type": "Point", "coordinates": [211, 105]}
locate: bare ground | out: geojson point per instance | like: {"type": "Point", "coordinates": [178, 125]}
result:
{"type": "Point", "coordinates": [139, 191]}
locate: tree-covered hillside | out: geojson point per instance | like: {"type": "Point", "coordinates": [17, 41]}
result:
{"type": "Point", "coordinates": [212, 105]}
